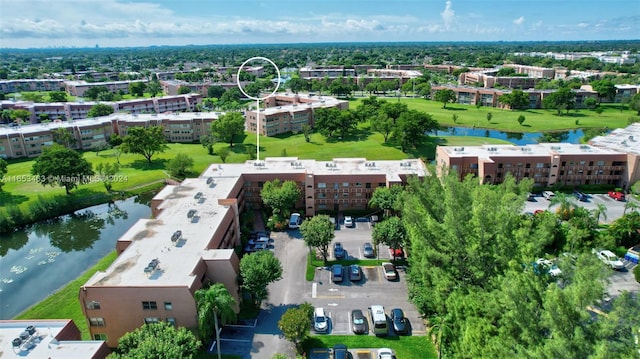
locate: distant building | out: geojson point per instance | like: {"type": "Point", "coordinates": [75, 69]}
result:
{"type": "Point", "coordinates": [78, 88]}
{"type": "Point", "coordinates": [48, 338]}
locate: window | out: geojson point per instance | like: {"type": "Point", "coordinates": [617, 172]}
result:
{"type": "Point", "coordinates": [600, 163]}
{"type": "Point", "coordinates": [151, 320]}
{"type": "Point", "coordinates": [582, 163]}
{"type": "Point", "coordinates": [473, 166]}
{"type": "Point", "coordinates": [345, 194]}
{"type": "Point", "coordinates": [528, 165]}
{"type": "Point", "coordinates": [100, 337]}
{"type": "Point", "coordinates": [96, 322]}
{"type": "Point", "coordinates": [539, 165]}
{"type": "Point", "coordinates": [499, 165]}
{"type": "Point", "coordinates": [149, 305]}
{"type": "Point", "coordinates": [171, 321]}
{"type": "Point", "coordinates": [563, 163]}
{"type": "Point", "coordinates": [345, 184]}
{"type": "Point", "coordinates": [322, 185]}
{"type": "Point", "coordinates": [168, 306]}
{"type": "Point", "coordinates": [93, 305]}
{"type": "Point", "coordinates": [358, 184]}
{"type": "Point", "coordinates": [590, 163]}
{"type": "Point", "coordinates": [367, 185]}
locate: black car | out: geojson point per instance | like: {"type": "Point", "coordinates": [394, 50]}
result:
{"type": "Point", "coordinates": [359, 323]}
{"type": "Point", "coordinates": [337, 274]}
{"type": "Point", "coordinates": [367, 250]}
{"type": "Point", "coordinates": [400, 322]}
{"type": "Point", "coordinates": [581, 196]}
{"type": "Point", "coordinates": [338, 250]}
{"type": "Point", "coordinates": [340, 352]}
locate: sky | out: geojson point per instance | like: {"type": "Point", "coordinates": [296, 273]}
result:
{"type": "Point", "coordinates": [130, 23]}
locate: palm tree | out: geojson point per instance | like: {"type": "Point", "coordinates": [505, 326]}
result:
{"type": "Point", "coordinates": [438, 326]}
{"type": "Point", "coordinates": [566, 204]}
{"type": "Point", "coordinates": [601, 210]}
{"type": "Point", "coordinates": [217, 302]}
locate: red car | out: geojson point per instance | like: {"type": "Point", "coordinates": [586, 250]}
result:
{"type": "Point", "coordinates": [618, 196]}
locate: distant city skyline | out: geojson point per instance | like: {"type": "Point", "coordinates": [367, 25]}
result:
{"type": "Point", "coordinates": [119, 23]}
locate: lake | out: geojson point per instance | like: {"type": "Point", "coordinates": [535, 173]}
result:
{"type": "Point", "coordinates": [40, 259]}
{"type": "Point", "coordinates": [518, 138]}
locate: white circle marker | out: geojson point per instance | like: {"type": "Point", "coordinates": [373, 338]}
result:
{"type": "Point", "coordinates": [258, 98]}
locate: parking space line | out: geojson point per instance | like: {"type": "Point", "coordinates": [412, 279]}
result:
{"type": "Point", "coordinates": [236, 340]}
{"type": "Point", "coordinates": [330, 297]}
{"type": "Point", "coordinates": [314, 290]}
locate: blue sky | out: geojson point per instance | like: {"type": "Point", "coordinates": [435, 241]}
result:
{"type": "Point", "coordinates": [121, 23]}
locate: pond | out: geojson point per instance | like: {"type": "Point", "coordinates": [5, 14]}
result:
{"type": "Point", "coordinates": [518, 138]}
{"type": "Point", "coordinates": [44, 257]}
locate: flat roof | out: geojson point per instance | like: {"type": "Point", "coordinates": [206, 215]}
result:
{"type": "Point", "coordinates": [531, 150]}
{"type": "Point", "coordinates": [35, 128]}
{"type": "Point", "coordinates": [43, 342]}
{"type": "Point", "coordinates": [622, 139]}
{"type": "Point", "coordinates": [151, 238]}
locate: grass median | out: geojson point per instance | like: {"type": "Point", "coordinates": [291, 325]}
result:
{"type": "Point", "coordinates": [405, 347]}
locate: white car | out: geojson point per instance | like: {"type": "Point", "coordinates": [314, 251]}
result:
{"type": "Point", "coordinates": [610, 259]}
{"type": "Point", "coordinates": [348, 221]}
{"type": "Point", "coordinates": [385, 353]}
{"type": "Point", "coordinates": [320, 321]}
{"type": "Point", "coordinates": [551, 268]}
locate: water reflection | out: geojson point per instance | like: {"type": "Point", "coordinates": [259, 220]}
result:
{"type": "Point", "coordinates": [43, 257]}
{"type": "Point", "coordinates": [520, 138]}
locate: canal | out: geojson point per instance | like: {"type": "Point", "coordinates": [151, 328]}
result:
{"type": "Point", "coordinates": [38, 260]}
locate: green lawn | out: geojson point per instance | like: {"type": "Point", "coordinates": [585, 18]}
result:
{"type": "Point", "coordinates": [409, 347]}
{"type": "Point", "coordinates": [537, 120]}
{"type": "Point", "coordinates": [64, 303]}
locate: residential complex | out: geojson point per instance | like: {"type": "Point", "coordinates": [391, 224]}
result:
{"type": "Point", "coordinates": [48, 338]}
{"type": "Point", "coordinates": [190, 241]}
{"type": "Point", "coordinates": [288, 113]}
{"type": "Point", "coordinates": [612, 159]}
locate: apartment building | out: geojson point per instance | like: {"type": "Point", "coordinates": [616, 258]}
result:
{"type": "Point", "coordinates": [10, 86]}
{"type": "Point", "coordinates": [48, 338]}
{"type": "Point", "coordinates": [288, 113]}
{"type": "Point", "coordinates": [78, 88]}
{"type": "Point", "coordinates": [189, 242]}
{"type": "Point", "coordinates": [28, 141]}
{"type": "Point", "coordinates": [321, 72]}
{"type": "Point", "coordinates": [547, 164]}
{"type": "Point", "coordinates": [627, 141]}
{"type": "Point", "coordinates": [185, 127]}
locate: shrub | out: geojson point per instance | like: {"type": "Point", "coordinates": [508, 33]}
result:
{"type": "Point", "coordinates": [636, 273]}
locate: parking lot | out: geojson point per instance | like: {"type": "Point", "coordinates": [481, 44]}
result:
{"type": "Point", "coordinates": [615, 209]}
{"type": "Point", "coordinates": [339, 299]}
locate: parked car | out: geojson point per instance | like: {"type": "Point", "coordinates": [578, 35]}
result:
{"type": "Point", "coordinates": [348, 221]}
{"type": "Point", "coordinates": [582, 197]}
{"type": "Point", "coordinates": [610, 259]}
{"type": "Point", "coordinates": [259, 240]}
{"type": "Point", "coordinates": [340, 351]}
{"type": "Point", "coordinates": [400, 322]}
{"type": "Point", "coordinates": [355, 273]}
{"type": "Point", "coordinates": [320, 321]}
{"type": "Point", "coordinates": [295, 221]}
{"type": "Point", "coordinates": [336, 273]}
{"type": "Point", "coordinates": [389, 271]}
{"type": "Point", "coordinates": [374, 219]}
{"type": "Point", "coordinates": [531, 197]}
{"type": "Point", "coordinates": [338, 250]}
{"type": "Point", "coordinates": [548, 195]}
{"type": "Point", "coordinates": [618, 196]}
{"type": "Point", "coordinates": [548, 266]}
{"type": "Point", "coordinates": [359, 323]}
{"type": "Point", "coordinates": [367, 250]}
{"type": "Point", "coordinates": [396, 253]}
{"type": "Point", "coordinates": [385, 353]}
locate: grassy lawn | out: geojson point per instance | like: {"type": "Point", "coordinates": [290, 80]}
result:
{"type": "Point", "coordinates": [537, 120]}
{"type": "Point", "coordinates": [64, 303]}
{"type": "Point", "coordinates": [410, 347]}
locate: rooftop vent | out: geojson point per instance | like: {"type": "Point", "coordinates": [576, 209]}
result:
{"type": "Point", "coordinates": [458, 149]}
{"type": "Point", "coordinates": [152, 266]}
{"type": "Point", "coordinates": [370, 164]}
{"type": "Point", "coordinates": [176, 236]}
{"type": "Point", "coordinates": [556, 147]}
{"type": "Point", "coordinates": [191, 213]}
{"type": "Point", "coordinates": [210, 180]}
{"type": "Point", "coordinates": [405, 164]}
{"type": "Point", "coordinates": [198, 195]}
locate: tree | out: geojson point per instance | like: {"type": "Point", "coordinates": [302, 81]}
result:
{"type": "Point", "coordinates": [306, 131]}
{"type": "Point", "coordinates": [516, 100]}
{"type": "Point", "coordinates": [295, 324]}
{"type": "Point", "coordinates": [327, 121]}
{"type": "Point", "coordinates": [106, 171]}
{"type": "Point", "coordinates": [383, 124]}
{"type": "Point", "coordinates": [605, 89]}
{"type": "Point", "coordinates": [297, 84]}
{"type": "Point", "coordinates": [521, 119]}
{"type": "Point", "coordinates": [280, 196]}
{"type": "Point", "coordinates": [183, 90]}
{"type": "Point", "coordinates": [489, 116]}
{"type": "Point", "coordinates": [393, 109]}
{"type": "Point", "coordinates": [158, 340]}
{"type": "Point", "coordinates": [318, 232]}
{"type": "Point", "coordinates": [411, 127]}
{"type": "Point", "coordinates": [227, 126]}
{"type": "Point", "coordinates": [455, 118]}
{"type": "Point", "coordinates": [146, 141]}
{"type": "Point", "coordinates": [591, 103]}
{"type": "Point", "coordinates": [20, 115]}
{"type": "Point", "coordinates": [216, 302]}
{"type": "Point", "coordinates": [60, 166]}
{"type": "Point", "coordinates": [100, 109]}
{"type": "Point", "coordinates": [445, 96]}
{"type": "Point", "coordinates": [137, 88]}
{"type": "Point", "coordinates": [180, 165]}
{"type": "Point", "coordinates": [154, 88]}
{"type": "Point", "coordinates": [224, 153]}
{"type": "Point", "coordinates": [386, 198]}
{"type": "Point", "coordinates": [3, 172]}
{"type": "Point", "coordinates": [258, 270]}
{"type": "Point", "coordinates": [561, 99]}
{"type": "Point", "coordinates": [63, 137]}
{"type": "Point", "coordinates": [215, 91]}
{"type": "Point", "coordinates": [58, 96]}
{"type": "Point", "coordinates": [566, 205]}
{"type": "Point", "coordinates": [391, 232]}
{"type": "Point", "coordinates": [207, 141]}
{"type": "Point", "coordinates": [94, 92]}
{"type": "Point", "coordinates": [634, 103]}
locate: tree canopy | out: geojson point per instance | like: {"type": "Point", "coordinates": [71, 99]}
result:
{"type": "Point", "coordinates": [516, 100]}
{"type": "Point", "coordinates": [100, 109]}
{"type": "Point", "coordinates": [280, 196]}
{"type": "Point", "coordinates": [3, 171]}
{"type": "Point", "coordinates": [258, 270]}
{"type": "Point", "coordinates": [445, 96]}
{"type": "Point", "coordinates": [214, 302]}
{"type": "Point", "coordinates": [159, 340]}
{"type": "Point", "coordinates": [60, 166]}
{"type": "Point", "coordinates": [227, 126]}
{"type": "Point", "coordinates": [145, 141]}
{"type": "Point", "coordinates": [318, 232]}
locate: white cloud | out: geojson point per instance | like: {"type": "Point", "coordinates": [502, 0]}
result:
{"type": "Point", "coordinates": [448, 15]}
{"type": "Point", "coordinates": [519, 21]}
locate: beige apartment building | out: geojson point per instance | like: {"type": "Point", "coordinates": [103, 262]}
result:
{"type": "Point", "coordinates": [78, 88]}
{"type": "Point", "coordinates": [9, 86]}
{"type": "Point", "coordinates": [288, 113]}
{"type": "Point", "coordinates": [547, 164]}
{"type": "Point", "coordinates": [627, 141]}
{"type": "Point", "coordinates": [189, 241]}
